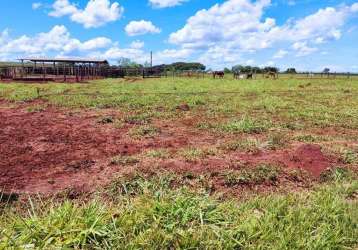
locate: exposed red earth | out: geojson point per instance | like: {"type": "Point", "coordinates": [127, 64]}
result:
{"type": "Point", "coordinates": [54, 149]}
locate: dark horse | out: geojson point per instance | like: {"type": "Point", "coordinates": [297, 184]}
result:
{"type": "Point", "coordinates": [219, 74]}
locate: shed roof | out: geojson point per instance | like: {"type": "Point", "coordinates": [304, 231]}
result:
{"type": "Point", "coordinates": [64, 60]}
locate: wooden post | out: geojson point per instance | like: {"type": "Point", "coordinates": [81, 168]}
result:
{"type": "Point", "coordinates": [22, 68]}
{"type": "Point", "coordinates": [43, 71]}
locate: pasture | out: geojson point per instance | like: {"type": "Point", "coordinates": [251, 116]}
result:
{"type": "Point", "coordinates": [180, 163]}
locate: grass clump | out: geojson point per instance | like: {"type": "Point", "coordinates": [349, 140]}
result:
{"type": "Point", "coordinates": [158, 153]}
{"type": "Point", "coordinates": [124, 160]}
{"type": "Point", "coordinates": [191, 154]}
{"type": "Point", "coordinates": [336, 174]}
{"type": "Point", "coordinates": [255, 176]}
{"type": "Point", "coordinates": [276, 141]}
{"type": "Point", "coordinates": [138, 119]}
{"type": "Point", "coordinates": [306, 138]}
{"type": "Point", "coordinates": [194, 154]}
{"type": "Point", "coordinates": [245, 125]}
{"type": "Point", "coordinates": [349, 156]}
{"type": "Point", "coordinates": [180, 219]}
{"type": "Point", "coordinates": [146, 131]}
{"type": "Point", "coordinates": [249, 145]}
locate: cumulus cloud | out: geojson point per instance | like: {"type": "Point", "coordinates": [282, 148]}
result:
{"type": "Point", "coordinates": [58, 40]}
{"type": "Point", "coordinates": [303, 49]}
{"type": "Point", "coordinates": [136, 28]}
{"type": "Point", "coordinates": [354, 7]}
{"type": "Point", "coordinates": [137, 44]}
{"type": "Point", "coordinates": [96, 13]}
{"type": "Point", "coordinates": [240, 26]}
{"type": "Point", "coordinates": [280, 54]}
{"type": "Point", "coordinates": [166, 3]}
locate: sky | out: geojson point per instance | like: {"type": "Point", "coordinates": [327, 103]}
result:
{"type": "Point", "coordinates": [309, 35]}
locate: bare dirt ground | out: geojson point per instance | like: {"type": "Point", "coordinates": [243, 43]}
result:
{"type": "Point", "coordinates": [54, 149]}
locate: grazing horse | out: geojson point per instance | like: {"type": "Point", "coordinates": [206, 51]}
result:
{"type": "Point", "coordinates": [243, 76]}
{"type": "Point", "coordinates": [271, 74]}
{"type": "Point", "coordinates": [220, 74]}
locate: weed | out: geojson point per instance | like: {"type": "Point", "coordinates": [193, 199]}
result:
{"type": "Point", "coordinates": [255, 176]}
{"type": "Point", "coordinates": [138, 119]}
{"type": "Point", "coordinates": [245, 125]}
{"type": "Point", "coordinates": [158, 153]}
{"type": "Point", "coordinates": [277, 140]}
{"type": "Point", "coordinates": [306, 138]}
{"type": "Point", "coordinates": [124, 160]}
{"type": "Point", "coordinates": [336, 174]}
{"type": "Point", "coordinates": [249, 145]}
{"type": "Point", "coordinates": [191, 154]}
{"type": "Point", "coordinates": [146, 131]}
{"type": "Point", "coordinates": [349, 157]}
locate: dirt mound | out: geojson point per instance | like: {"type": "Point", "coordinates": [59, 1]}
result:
{"type": "Point", "coordinates": [310, 158]}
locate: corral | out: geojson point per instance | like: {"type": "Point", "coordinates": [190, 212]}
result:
{"type": "Point", "coordinates": [46, 69]}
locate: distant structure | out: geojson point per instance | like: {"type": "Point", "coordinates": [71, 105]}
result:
{"type": "Point", "coordinates": [59, 70]}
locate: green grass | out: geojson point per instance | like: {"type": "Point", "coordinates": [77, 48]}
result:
{"type": "Point", "coordinates": [258, 175]}
{"type": "Point", "coordinates": [322, 103]}
{"type": "Point", "coordinates": [160, 218]}
{"type": "Point", "coordinates": [244, 125]}
{"type": "Point", "coordinates": [157, 212]}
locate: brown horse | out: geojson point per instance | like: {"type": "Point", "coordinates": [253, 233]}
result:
{"type": "Point", "coordinates": [271, 74]}
{"type": "Point", "coordinates": [219, 74]}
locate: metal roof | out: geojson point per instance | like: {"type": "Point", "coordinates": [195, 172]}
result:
{"type": "Point", "coordinates": [63, 60]}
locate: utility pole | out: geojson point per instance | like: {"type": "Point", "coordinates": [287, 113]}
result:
{"type": "Point", "coordinates": [151, 59]}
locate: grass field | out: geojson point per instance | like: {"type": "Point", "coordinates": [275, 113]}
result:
{"type": "Point", "coordinates": [180, 163]}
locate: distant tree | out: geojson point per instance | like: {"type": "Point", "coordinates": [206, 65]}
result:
{"type": "Point", "coordinates": [186, 66]}
{"type": "Point", "coordinates": [271, 69]}
{"type": "Point", "coordinates": [326, 70]}
{"type": "Point", "coordinates": [128, 63]}
{"type": "Point", "coordinates": [227, 71]}
{"type": "Point", "coordinates": [146, 64]}
{"type": "Point", "coordinates": [291, 71]}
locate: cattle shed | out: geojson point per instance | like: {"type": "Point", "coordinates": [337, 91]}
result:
{"type": "Point", "coordinates": [59, 70]}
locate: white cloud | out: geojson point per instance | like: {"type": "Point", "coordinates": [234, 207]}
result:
{"type": "Point", "coordinates": [171, 55]}
{"type": "Point", "coordinates": [136, 28]}
{"type": "Point", "coordinates": [36, 5]}
{"type": "Point", "coordinates": [57, 41]}
{"type": "Point", "coordinates": [280, 54]}
{"type": "Point", "coordinates": [137, 44]}
{"type": "Point", "coordinates": [96, 13]}
{"type": "Point", "coordinates": [115, 53]}
{"type": "Point", "coordinates": [354, 7]}
{"type": "Point", "coordinates": [303, 49]}
{"type": "Point", "coordinates": [96, 43]}
{"type": "Point", "coordinates": [236, 27]}
{"type": "Point", "coordinates": [166, 3]}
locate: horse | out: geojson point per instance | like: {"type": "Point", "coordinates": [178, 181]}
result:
{"type": "Point", "coordinates": [271, 74]}
{"type": "Point", "coordinates": [237, 75]}
{"type": "Point", "coordinates": [220, 74]}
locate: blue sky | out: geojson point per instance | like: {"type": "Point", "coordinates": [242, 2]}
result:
{"type": "Point", "coordinates": [306, 34]}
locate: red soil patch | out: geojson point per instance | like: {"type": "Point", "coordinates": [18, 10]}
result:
{"type": "Point", "coordinates": [48, 151]}
{"type": "Point", "coordinates": [310, 158]}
